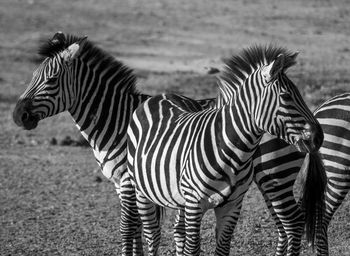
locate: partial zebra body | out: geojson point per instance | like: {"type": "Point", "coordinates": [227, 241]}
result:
{"type": "Point", "coordinates": [194, 160]}
{"type": "Point", "coordinates": [334, 116]}
{"type": "Point", "coordinates": [178, 159]}
{"type": "Point", "coordinates": [277, 164]}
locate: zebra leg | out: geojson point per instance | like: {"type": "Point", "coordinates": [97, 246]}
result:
{"type": "Point", "coordinates": [179, 232]}
{"type": "Point", "coordinates": [336, 191]}
{"type": "Point", "coordinates": [282, 243]}
{"type": "Point", "coordinates": [292, 219]}
{"type": "Point", "coordinates": [193, 218]}
{"type": "Point", "coordinates": [287, 215]}
{"type": "Point", "coordinates": [226, 219]}
{"type": "Point", "coordinates": [137, 248]}
{"type": "Point", "coordinates": [129, 219]}
{"type": "Point", "coordinates": [151, 223]}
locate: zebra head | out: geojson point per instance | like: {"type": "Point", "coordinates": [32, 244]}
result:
{"type": "Point", "coordinates": [281, 109]}
{"type": "Point", "coordinates": [51, 89]}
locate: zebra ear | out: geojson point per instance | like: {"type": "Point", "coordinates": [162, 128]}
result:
{"type": "Point", "coordinates": [73, 50]}
{"type": "Point", "coordinates": [58, 37]}
{"type": "Point", "coordinates": [274, 68]}
{"type": "Point", "coordinates": [291, 60]}
{"type": "Point", "coordinates": [294, 56]}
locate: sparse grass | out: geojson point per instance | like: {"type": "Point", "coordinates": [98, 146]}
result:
{"type": "Point", "coordinates": [54, 201]}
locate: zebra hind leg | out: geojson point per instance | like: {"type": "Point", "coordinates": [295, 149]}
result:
{"type": "Point", "coordinates": [293, 223]}
{"type": "Point", "coordinates": [291, 218]}
{"type": "Point", "coordinates": [336, 192]}
{"type": "Point", "coordinates": [150, 216]}
{"type": "Point", "coordinates": [179, 232]}
{"type": "Point", "coordinates": [282, 243]}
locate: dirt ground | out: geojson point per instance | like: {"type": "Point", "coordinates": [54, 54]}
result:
{"type": "Point", "coordinates": [53, 198]}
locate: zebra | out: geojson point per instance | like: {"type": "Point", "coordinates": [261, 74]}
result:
{"type": "Point", "coordinates": [334, 117]}
{"type": "Point", "coordinates": [277, 164]}
{"type": "Point", "coordinates": [183, 157]}
{"type": "Point", "coordinates": [97, 90]}
{"type": "Point", "coordinates": [56, 74]}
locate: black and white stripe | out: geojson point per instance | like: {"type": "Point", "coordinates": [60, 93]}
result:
{"type": "Point", "coordinates": [193, 160]}
{"type": "Point", "coordinates": [63, 84]}
{"type": "Point", "coordinates": [98, 91]}
{"type": "Point", "coordinates": [277, 164]}
{"type": "Point", "coordinates": [334, 117]}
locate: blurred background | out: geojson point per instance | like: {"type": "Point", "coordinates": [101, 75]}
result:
{"type": "Point", "coordinates": [53, 198]}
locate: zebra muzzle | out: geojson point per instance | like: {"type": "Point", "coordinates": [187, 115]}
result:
{"type": "Point", "coordinates": [23, 117]}
{"type": "Point", "coordinates": [311, 138]}
{"type": "Point", "coordinates": [306, 135]}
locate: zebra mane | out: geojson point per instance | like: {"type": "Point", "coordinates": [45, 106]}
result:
{"type": "Point", "coordinates": [51, 47]}
{"type": "Point", "coordinates": [240, 66]}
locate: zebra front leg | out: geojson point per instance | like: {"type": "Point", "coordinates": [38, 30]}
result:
{"type": "Point", "coordinates": [226, 219]}
{"type": "Point", "coordinates": [150, 216]}
{"type": "Point", "coordinates": [179, 232]}
{"type": "Point", "coordinates": [193, 218]}
{"type": "Point", "coordinates": [129, 219]}
{"type": "Point", "coordinates": [137, 248]}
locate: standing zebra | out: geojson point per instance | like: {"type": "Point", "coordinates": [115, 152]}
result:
{"type": "Point", "coordinates": [334, 116]}
{"type": "Point", "coordinates": [183, 157]}
{"type": "Point", "coordinates": [97, 90]}
{"type": "Point", "coordinates": [277, 164]}
{"type": "Point", "coordinates": [72, 68]}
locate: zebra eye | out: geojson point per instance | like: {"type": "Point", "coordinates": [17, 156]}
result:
{"type": "Point", "coordinates": [286, 96]}
{"type": "Point", "coordinates": [51, 80]}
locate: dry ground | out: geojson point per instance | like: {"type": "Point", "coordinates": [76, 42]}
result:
{"type": "Point", "coordinates": [54, 201]}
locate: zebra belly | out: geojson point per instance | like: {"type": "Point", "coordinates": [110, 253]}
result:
{"type": "Point", "coordinates": [208, 194]}
{"type": "Point", "coordinates": [159, 187]}
{"type": "Point", "coordinates": [210, 190]}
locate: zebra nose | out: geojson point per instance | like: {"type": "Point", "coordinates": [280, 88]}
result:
{"type": "Point", "coordinates": [21, 114]}
{"type": "Point", "coordinates": [318, 136]}
{"type": "Point", "coordinates": [25, 116]}
{"type": "Point", "coordinates": [314, 134]}
{"type": "Point", "coordinates": [307, 132]}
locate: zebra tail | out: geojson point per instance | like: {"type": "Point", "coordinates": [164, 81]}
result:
{"type": "Point", "coordinates": [312, 197]}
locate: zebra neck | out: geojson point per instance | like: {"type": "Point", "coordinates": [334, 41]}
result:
{"type": "Point", "coordinates": [103, 119]}
{"type": "Point", "coordinates": [103, 94]}
{"type": "Point", "coordinates": [237, 133]}
{"type": "Point", "coordinates": [103, 122]}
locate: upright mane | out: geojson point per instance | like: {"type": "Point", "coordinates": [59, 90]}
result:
{"type": "Point", "coordinates": [95, 55]}
{"type": "Point", "coordinates": [240, 66]}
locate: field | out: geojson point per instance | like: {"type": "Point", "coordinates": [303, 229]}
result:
{"type": "Point", "coordinates": [53, 198]}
